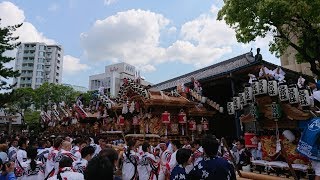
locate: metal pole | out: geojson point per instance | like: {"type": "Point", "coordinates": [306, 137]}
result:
{"type": "Point", "coordinates": [237, 114]}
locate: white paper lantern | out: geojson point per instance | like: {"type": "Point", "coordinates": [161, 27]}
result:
{"type": "Point", "coordinates": [236, 103]}
{"type": "Point", "coordinates": [221, 110]}
{"type": "Point", "coordinates": [263, 87]}
{"type": "Point", "coordinates": [304, 98]}
{"type": "Point", "coordinates": [283, 92]}
{"type": "Point", "coordinates": [273, 88]}
{"type": "Point", "coordinates": [248, 93]}
{"type": "Point", "coordinates": [230, 108]}
{"type": "Point", "coordinates": [293, 94]}
{"type": "Point", "coordinates": [242, 99]}
{"type": "Point", "coordinates": [255, 87]}
{"type": "Point", "coordinates": [203, 99]}
{"type": "Point", "coordinates": [289, 135]}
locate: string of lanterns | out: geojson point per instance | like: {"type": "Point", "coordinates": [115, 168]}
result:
{"type": "Point", "coordinates": [290, 93]}
{"type": "Point", "coordinates": [204, 99]}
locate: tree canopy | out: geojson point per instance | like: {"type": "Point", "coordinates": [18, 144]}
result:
{"type": "Point", "coordinates": [294, 23]}
{"type": "Point", "coordinates": [7, 43]}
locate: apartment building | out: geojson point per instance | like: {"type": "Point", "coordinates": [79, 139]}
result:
{"type": "Point", "coordinates": [38, 63]}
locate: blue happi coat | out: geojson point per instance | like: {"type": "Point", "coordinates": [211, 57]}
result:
{"type": "Point", "coordinates": [309, 143]}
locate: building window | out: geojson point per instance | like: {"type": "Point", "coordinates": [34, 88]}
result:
{"type": "Point", "coordinates": [41, 48]}
{"type": "Point", "coordinates": [58, 61]}
{"type": "Point", "coordinates": [57, 81]}
{"type": "Point", "coordinates": [40, 60]}
{"type": "Point", "coordinates": [59, 55]}
{"type": "Point", "coordinates": [57, 74]}
{"type": "Point", "coordinates": [39, 73]}
{"type": "Point", "coordinates": [58, 67]}
{"type": "Point", "coordinates": [39, 80]}
{"type": "Point", "coordinates": [40, 66]}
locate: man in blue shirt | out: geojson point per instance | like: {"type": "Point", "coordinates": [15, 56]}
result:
{"type": "Point", "coordinates": [7, 171]}
{"type": "Point", "coordinates": [212, 166]}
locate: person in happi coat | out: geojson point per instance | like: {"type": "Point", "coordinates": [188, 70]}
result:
{"type": "Point", "coordinates": [12, 152]}
{"type": "Point", "coordinates": [186, 143]}
{"type": "Point", "coordinates": [279, 74]}
{"type": "Point", "coordinates": [51, 164]}
{"type": "Point", "coordinates": [86, 155]}
{"type": "Point", "coordinates": [21, 156]}
{"type": "Point", "coordinates": [165, 157]}
{"type": "Point", "coordinates": [32, 169]}
{"type": "Point", "coordinates": [130, 162]}
{"type": "Point", "coordinates": [212, 166]}
{"type": "Point", "coordinates": [65, 171]}
{"type": "Point", "coordinates": [176, 145]}
{"type": "Point", "coordinates": [148, 166]}
{"type": "Point", "coordinates": [183, 158]}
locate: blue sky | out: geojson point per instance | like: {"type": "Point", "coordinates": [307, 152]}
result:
{"type": "Point", "coordinates": [164, 38]}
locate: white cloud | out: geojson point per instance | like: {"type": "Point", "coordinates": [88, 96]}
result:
{"type": "Point", "coordinates": [53, 7]}
{"type": "Point", "coordinates": [72, 65]}
{"type": "Point", "coordinates": [147, 68]}
{"type": "Point", "coordinates": [12, 15]}
{"type": "Point", "coordinates": [131, 36]}
{"type": "Point", "coordinates": [134, 37]}
{"type": "Point", "coordinates": [172, 30]}
{"type": "Point", "coordinates": [108, 2]}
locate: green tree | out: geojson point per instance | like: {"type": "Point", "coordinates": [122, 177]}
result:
{"type": "Point", "coordinates": [292, 23]}
{"type": "Point", "coordinates": [32, 119]}
{"type": "Point", "coordinates": [20, 100]}
{"type": "Point", "coordinates": [7, 43]}
{"type": "Point", "coordinates": [48, 94]}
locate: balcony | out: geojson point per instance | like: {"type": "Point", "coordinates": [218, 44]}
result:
{"type": "Point", "coordinates": [26, 74]}
{"type": "Point", "coordinates": [29, 54]}
{"type": "Point", "coordinates": [25, 81]}
{"type": "Point", "coordinates": [27, 68]}
{"type": "Point", "coordinates": [28, 61]}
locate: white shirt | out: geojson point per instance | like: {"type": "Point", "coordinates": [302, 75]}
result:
{"type": "Point", "coordinates": [80, 165]}
{"type": "Point", "coordinates": [146, 163]}
{"type": "Point", "coordinates": [51, 163]}
{"type": "Point", "coordinates": [186, 146]}
{"type": "Point", "coordinates": [76, 152]}
{"type": "Point", "coordinates": [198, 155]}
{"type": "Point", "coordinates": [28, 174]}
{"type": "Point", "coordinates": [12, 153]}
{"type": "Point", "coordinates": [173, 161]}
{"type": "Point", "coordinates": [43, 154]}
{"type": "Point", "coordinates": [128, 169]}
{"type": "Point", "coordinates": [97, 149]}
{"type": "Point", "coordinates": [68, 174]}
{"type": "Point", "coordinates": [21, 155]}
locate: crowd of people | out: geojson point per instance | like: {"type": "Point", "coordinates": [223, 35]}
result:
{"type": "Point", "coordinates": [65, 158]}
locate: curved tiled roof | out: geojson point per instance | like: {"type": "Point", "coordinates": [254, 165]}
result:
{"type": "Point", "coordinates": [210, 71]}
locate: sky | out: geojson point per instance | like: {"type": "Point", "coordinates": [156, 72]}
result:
{"type": "Point", "coordinates": [163, 39]}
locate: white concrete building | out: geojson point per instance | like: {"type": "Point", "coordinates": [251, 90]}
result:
{"type": "Point", "coordinates": [113, 77]}
{"type": "Point", "coordinates": [38, 63]}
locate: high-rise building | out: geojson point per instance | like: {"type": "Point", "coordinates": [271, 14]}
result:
{"type": "Point", "coordinates": [38, 63]}
{"type": "Point", "coordinates": [113, 77]}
